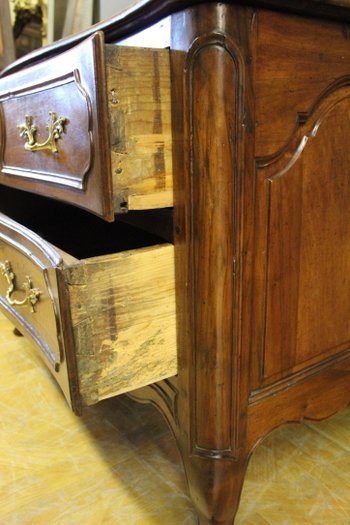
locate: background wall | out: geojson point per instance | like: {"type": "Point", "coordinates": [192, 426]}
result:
{"type": "Point", "coordinates": [108, 8]}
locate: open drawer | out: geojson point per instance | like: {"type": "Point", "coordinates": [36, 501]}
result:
{"type": "Point", "coordinates": [104, 325]}
{"type": "Point", "coordinates": [91, 126]}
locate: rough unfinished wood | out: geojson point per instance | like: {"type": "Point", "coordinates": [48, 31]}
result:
{"type": "Point", "coordinates": [138, 84]}
{"type": "Point", "coordinates": [123, 318]}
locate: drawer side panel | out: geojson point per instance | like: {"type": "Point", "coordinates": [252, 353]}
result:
{"type": "Point", "coordinates": [123, 319]}
{"type": "Point", "coordinates": [139, 104]}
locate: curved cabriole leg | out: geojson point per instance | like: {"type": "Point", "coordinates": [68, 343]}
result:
{"type": "Point", "coordinates": [215, 488]}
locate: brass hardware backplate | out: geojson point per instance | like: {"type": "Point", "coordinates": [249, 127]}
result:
{"type": "Point", "coordinates": [55, 127]}
{"type": "Point", "coordinates": [31, 294]}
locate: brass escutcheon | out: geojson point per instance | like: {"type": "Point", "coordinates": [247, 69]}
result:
{"type": "Point", "coordinates": [55, 127]}
{"type": "Point", "coordinates": [31, 294]}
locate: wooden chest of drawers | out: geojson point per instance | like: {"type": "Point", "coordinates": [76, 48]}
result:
{"type": "Point", "coordinates": [260, 104]}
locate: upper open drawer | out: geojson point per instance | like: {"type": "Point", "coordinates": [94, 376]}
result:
{"type": "Point", "coordinates": [92, 127]}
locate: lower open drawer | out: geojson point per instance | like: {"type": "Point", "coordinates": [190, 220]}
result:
{"type": "Point", "coordinates": [104, 325]}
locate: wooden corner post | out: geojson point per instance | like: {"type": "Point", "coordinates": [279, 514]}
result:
{"type": "Point", "coordinates": [213, 159]}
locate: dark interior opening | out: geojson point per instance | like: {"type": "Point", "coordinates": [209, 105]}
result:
{"type": "Point", "coordinates": [81, 233]}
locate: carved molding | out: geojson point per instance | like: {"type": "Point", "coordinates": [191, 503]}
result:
{"type": "Point", "coordinates": [76, 178]}
{"type": "Point", "coordinates": [306, 128]}
{"type": "Point", "coordinates": [47, 259]}
{"type": "Point", "coordinates": [163, 396]}
{"type": "Point", "coordinates": [215, 50]}
{"type": "Point", "coordinates": [298, 377]}
{"type": "Point", "coordinates": [21, 321]}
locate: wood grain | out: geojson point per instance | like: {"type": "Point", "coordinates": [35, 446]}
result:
{"type": "Point", "coordinates": [260, 125]}
{"type": "Point", "coordinates": [307, 245]}
{"type": "Point", "coordinates": [139, 97]}
{"type": "Point", "coordinates": [290, 74]}
{"type": "Point", "coordinates": [104, 325]}
{"type": "Point", "coordinates": [261, 235]}
{"type": "Point", "coordinates": [123, 317]}
{"type": "Point", "coordinates": [141, 15]}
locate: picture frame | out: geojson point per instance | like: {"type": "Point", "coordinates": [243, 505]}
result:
{"type": "Point", "coordinates": [7, 47]}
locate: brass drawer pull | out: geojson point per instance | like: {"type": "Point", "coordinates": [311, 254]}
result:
{"type": "Point", "coordinates": [55, 126]}
{"type": "Point", "coordinates": [31, 294]}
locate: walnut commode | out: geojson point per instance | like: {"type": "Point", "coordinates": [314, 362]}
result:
{"type": "Point", "coordinates": [252, 131]}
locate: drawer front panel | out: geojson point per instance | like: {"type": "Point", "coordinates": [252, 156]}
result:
{"type": "Point", "coordinates": [54, 129]}
{"type": "Point", "coordinates": [26, 295]}
{"type": "Point", "coordinates": [29, 293]}
{"type": "Point", "coordinates": [47, 132]}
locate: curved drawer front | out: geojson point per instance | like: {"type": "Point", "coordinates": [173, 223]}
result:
{"type": "Point", "coordinates": [48, 130]}
{"type": "Point", "coordinates": [104, 325]}
{"type": "Point", "coordinates": [91, 127]}
{"type": "Point", "coordinates": [53, 122]}
{"type": "Point", "coordinates": [29, 293]}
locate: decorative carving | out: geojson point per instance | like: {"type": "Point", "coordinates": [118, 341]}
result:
{"type": "Point", "coordinates": [307, 126]}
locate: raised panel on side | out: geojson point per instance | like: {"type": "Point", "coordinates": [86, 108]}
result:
{"type": "Point", "coordinates": [295, 59]}
{"type": "Point", "coordinates": [304, 243]}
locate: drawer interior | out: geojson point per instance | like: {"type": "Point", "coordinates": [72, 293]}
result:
{"type": "Point", "coordinates": [80, 233]}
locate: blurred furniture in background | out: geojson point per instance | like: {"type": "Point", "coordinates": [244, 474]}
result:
{"type": "Point", "coordinates": [7, 49]}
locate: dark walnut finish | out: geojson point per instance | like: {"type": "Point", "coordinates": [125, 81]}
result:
{"type": "Point", "coordinates": [261, 169]}
{"type": "Point", "coordinates": [260, 124]}
{"type": "Point", "coordinates": [78, 171]}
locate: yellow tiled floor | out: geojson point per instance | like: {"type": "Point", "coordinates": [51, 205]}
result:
{"type": "Point", "coordinates": [119, 465]}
